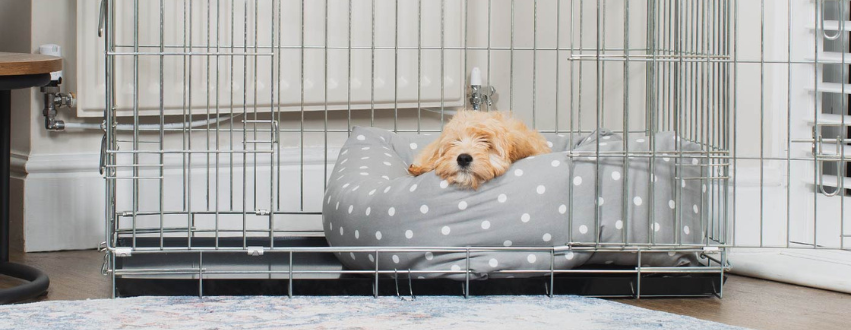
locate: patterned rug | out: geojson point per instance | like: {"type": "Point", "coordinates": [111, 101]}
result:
{"type": "Point", "coordinates": [262, 312]}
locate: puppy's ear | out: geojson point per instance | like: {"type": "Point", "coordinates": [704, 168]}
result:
{"type": "Point", "coordinates": [501, 141]}
{"type": "Point", "coordinates": [525, 142]}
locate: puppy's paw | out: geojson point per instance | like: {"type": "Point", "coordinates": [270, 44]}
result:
{"type": "Point", "coordinates": [417, 170]}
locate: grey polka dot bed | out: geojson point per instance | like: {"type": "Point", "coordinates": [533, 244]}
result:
{"type": "Point", "coordinates": [542, 201]}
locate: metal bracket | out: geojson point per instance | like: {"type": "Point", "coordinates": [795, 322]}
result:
{"type": "Point", "coordinates": [711, 249]}
{"type": "Point", "coordinates": [122, 252]}
{"type": "Point", "coordinates": [561, 248]}
{"type": "Point", "coordinates": [255, 251]}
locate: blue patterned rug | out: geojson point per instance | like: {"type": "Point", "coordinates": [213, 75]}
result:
{"type": "Point", "coordinates": [259, 312]}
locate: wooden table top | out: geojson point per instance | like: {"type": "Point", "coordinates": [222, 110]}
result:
{"type": "Point", "coordinates": [15, 64]}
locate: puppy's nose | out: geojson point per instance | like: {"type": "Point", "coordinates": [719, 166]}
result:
{"type": "Point", "coordinates": [464, 160]}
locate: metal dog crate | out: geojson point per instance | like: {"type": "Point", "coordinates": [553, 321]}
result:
{"type": "Point", "coordinates": [224, 119]}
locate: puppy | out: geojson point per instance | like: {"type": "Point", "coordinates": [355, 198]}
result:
{"type": "Point", "coordinates": [476, 147]}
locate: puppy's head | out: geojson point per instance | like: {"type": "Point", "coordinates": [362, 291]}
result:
{"type": "Point", "coordinates": [475, 147]}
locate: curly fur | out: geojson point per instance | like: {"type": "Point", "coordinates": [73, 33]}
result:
{"type": "Point", "coordinates": [494, 140]}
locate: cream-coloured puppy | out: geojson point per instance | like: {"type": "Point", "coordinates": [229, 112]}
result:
{"type": "Point", "coordinates": [478, 146]}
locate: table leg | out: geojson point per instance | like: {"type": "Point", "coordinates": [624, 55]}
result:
{"type": "Point", "coordinates": [5, 154]}
{"type": "Point", "coordinates": [38, 281]}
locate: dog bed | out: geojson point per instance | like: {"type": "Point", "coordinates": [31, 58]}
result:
{"type": "Point", "coordinates": [541, 201]}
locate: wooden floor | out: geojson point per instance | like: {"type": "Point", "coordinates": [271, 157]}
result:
{"type": "Point", "coordinates": [747, 302]}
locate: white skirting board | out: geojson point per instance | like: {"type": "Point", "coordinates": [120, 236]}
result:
{"type": "Point", "coordinates": [823, 269]}
{"type": "Point", "coordinates": [63, 202]}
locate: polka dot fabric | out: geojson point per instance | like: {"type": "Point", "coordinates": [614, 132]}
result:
{"type": "Point", "coordinates": [551, 203]}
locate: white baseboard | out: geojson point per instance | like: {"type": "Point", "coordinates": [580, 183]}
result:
{"type": "Point", "coordinates": [18, 163]}
{"type": "Point", "coordinates": [64, 195]}
{"type": "Point", "coordinates": [823, 269]}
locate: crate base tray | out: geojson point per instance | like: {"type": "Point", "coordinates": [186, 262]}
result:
{"type": "Point", "coordinates": [603, 285]}
{"type": "Point", "coordinates": [148, 274]}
